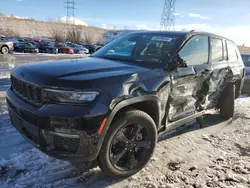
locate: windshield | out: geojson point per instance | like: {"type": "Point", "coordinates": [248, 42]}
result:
{"type": "Point", "coordinates": [140, 48]}
{"type": "Point", "coordinates": [246, 60]}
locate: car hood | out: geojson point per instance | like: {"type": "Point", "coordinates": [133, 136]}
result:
{"type": "Point", "coordinates": [78, 74]}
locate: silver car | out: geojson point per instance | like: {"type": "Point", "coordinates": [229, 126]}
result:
{"type": "Point", "coordinates": [6, 46]}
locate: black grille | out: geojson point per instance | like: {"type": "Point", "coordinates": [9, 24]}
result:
{"type": "Point", "coordinates": [66, 144]}
{"type": "Point", "coordinates": [27, 91]}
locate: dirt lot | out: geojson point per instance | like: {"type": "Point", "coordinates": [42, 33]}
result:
{"type": "Point", "coordinates": [216, 155]}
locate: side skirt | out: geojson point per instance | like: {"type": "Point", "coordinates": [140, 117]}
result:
{"type": "Point", "coordinates": [179, 123]}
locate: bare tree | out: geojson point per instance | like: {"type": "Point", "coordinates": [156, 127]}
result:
{"type": "Point", "coordinates": [99, 40]}
{"type": "Point", "coordinates": [88, 37]}
{"type": "Point", "coordinates": [10, 32]}
{"type": "Point", "coordinates": [57, 35]}
{"type": "Point", "coordinates": [74, 35]}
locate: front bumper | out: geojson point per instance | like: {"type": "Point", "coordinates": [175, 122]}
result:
{"type": "Point", "coordinates": [67, 144]}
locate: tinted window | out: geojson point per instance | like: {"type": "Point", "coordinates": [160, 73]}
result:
{"type": "Point", "coordinates": [246, 60]}
{"type": "Point", "coordinates": [217, 50]}
{"type": "Point", "coordinates": [195, 52]}
{"type": "Point", "coordinates": [232, 51]}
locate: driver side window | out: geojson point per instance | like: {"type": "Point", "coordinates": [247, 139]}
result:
{"type": "Point", "coordinates": [195, 52]}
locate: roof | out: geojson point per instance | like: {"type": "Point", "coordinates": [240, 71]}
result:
{"type": "Point", "coordinates": [181, 33]}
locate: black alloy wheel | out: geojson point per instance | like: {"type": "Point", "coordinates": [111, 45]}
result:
{"type": "Point", "coordinates": [130, 147]}
{"type": "Point", "coordinates": [128, 144]}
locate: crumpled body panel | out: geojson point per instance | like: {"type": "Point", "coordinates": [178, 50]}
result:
{"type": "Point", "coordinates": [197, 92]}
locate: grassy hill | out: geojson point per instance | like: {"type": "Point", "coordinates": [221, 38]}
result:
{"type": "Point", "coordinates": [11, 26]}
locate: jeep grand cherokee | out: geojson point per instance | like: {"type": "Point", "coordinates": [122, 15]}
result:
{"type": "Point", "coordinates": [109, 108]}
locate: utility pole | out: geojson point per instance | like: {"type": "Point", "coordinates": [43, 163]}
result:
{"type": "Point", "coordinates": [168, 15]}
{"type": "Point", "coordinates": [70, 7]}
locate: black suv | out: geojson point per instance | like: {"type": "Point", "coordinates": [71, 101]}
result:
{"type": "Point", "coordinates": [108, 109]}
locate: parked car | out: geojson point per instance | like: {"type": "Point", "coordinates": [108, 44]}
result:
{"type": "Point", "coordinates": [26, 48]}
{"type": "Point", "coordinates": [98, 47]}
{"type": "Point", "coordinates": [15, 42]}
{"type": "Point", "coordinates": [62, 48]}
{"type": "Point", "coordinates": [109, 109]}
{"type": "Point", "coordinates": [6, 46]}
{"type": "Point", "coordinates": [78, 49]}
{"type": "Point", "coordinates": [90, 47]}
{"type": "Point", "coordinates": [246, 60]}
{"type": "Point", "coordinates": [47, 48]}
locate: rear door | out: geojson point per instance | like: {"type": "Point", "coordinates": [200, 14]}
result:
{"type": "Point", "coordinates": [193, 61]}
{"type": "Point", "coordinates": [226, 66]}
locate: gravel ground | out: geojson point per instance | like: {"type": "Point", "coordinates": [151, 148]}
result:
{"type": "Point", "coordinates": [216, 155]}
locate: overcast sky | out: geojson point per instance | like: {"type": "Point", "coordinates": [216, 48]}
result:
{"type": "Point", "coordinates": [230, 18]}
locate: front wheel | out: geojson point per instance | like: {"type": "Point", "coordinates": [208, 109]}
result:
{"type": "Point", "coordinates": [4, 50]}
{"type": "Point", "coordinates": [226, 102]}
{"type": "Point", "coordinates": [128, 145]}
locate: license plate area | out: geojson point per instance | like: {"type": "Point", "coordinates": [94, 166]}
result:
{"type": "Point", "coordinates": [28, 130]}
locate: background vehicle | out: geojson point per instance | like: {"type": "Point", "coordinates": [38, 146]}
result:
{"type": "Point", "coordinates": [47, 48]}
{"type": "Point", "coordinates": [6, 46]}
{"type": "Point", "coordinates": [108, 109]}
{"type": "Point", "coordinates": [246, 60]}
{"type": "Point", "coordinates": [63, 48]}
{"type": "Point", "coordinates": [26, 48]}
{"type": "Point", "coordinates": [15, 41]}
{"type": "Point", "coordinates": [78, 49]}
{"type": "Point", "coordinates": [90, 47]}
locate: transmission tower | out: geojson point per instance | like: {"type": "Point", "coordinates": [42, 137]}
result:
{"type": "Point", "coordinates": [70, 6]}
{"type": "Point", "coordinates": [168, 15]}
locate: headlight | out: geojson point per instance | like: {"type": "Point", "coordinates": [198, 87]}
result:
{"type": "Point", "coordinates": [70, 96]}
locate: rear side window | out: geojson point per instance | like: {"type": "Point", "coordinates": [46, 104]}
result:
{"type": "Point", "coordinates": [246, 60]}
{"type": "Point", "coordinates": [232, 51]}
{"type": "Point", "coordinates": [195, 52]}
{"type": "Point", "coordinates": [217, 50]}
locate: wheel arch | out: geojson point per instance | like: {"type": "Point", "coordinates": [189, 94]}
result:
{"type": "Point", "coordinates": [147, 105]}
{"type": "Point", "coordinates": [136, 102]}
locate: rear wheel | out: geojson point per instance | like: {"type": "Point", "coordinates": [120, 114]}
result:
{"type": "Point", "coordinates": [4, 50]}
{"type": "Point", "coordinates": [128, 145]}
{"type": "Point", "coordinates": [226, 102]}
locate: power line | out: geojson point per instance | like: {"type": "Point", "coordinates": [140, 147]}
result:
{"type": "Point", "coordinates": [70, 7]}
{"type": "Point", "coordinates": [168, 15]}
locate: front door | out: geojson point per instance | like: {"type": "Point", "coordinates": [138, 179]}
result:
{"type": "Point", "coordinates": [187, 84]}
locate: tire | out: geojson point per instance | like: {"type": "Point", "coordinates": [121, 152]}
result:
{"type": "Point", "coordinates": [227, 101]}
{"type": "Point", "coordinates": [4, 50]}
{"type": "Point", "coordinates": [135, 149]}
